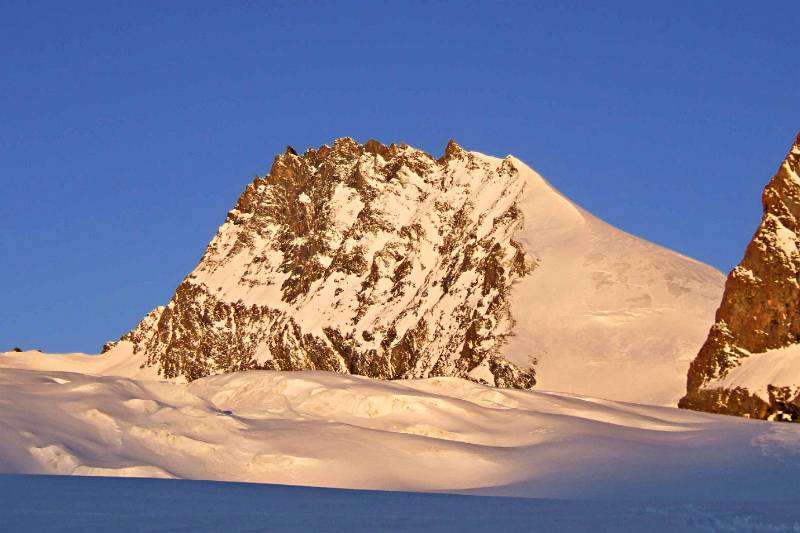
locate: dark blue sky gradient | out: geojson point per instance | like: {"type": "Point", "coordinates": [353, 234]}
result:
{"type": "Point", "coordinates": [127, 130]}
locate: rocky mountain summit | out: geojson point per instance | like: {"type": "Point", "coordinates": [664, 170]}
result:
{"type": "Point", "coordinates": [750, 362]}
{"type": "Point", "coordinates": [387, 262]}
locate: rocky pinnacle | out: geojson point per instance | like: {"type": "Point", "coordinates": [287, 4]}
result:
{"type": "Point", "coordinates": [760, 309]}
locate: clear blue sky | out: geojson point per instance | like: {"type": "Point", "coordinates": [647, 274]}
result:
{"type": "Point", "coordinates": [128, 129]}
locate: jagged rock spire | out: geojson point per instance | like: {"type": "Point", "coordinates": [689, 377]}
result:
{"type": "Point", "coordinates": [760, 307]}
{"type": "Point", "coordinates": [452, 150]}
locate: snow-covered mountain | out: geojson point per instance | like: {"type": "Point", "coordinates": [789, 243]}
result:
{"type": "Point", "coordinates": [750, 362]}
{"type": "Point", "coordinates": [385, 262]}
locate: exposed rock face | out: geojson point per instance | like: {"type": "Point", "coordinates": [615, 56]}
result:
{"type": "Point", "coordinates": [364, 259]}
{"type": "Point", "coordinates": [383, 261]}
{"type": "Point", "coordinates": [759, 317]}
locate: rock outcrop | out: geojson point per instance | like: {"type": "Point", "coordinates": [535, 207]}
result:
{"type": "Point", "coordinates": [367, 259]}
{"type": "Point", "coordinates": [747, 365]}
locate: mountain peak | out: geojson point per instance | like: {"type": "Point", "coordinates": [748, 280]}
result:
{"type": "Point", "coordinates": [367, 259]}
{"type": "Point", "coordinates": [378, 260]}
{"type": "Point", "coordinates": [451, 151]}
{"type": "Point", "coordinates": [758, 313]}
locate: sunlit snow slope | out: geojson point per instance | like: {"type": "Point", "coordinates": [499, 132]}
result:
{"type": "Point", "coordinates": [605, 314]}
{"type": "Point", "coordinates": [335, 430]}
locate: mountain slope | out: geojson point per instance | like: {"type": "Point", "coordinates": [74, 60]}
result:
{"type": "Point", "coordinates": [383, 261]}
{"type": "Point", "coordinates": [750, 362]}
{"type": "Point", "coordinates": [606, 314]}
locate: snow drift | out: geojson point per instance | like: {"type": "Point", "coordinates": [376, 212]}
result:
{"type": "Point", "coordinates": [334, 430]}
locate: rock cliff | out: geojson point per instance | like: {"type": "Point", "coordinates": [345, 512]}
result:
{"type": "Point", "coordinates": [747, 365]}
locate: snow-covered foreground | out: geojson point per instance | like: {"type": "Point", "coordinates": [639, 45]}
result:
{"type": "Point", "coordinates": [40, 504]}
{"type": "Point", "coordinates": [442, 434]}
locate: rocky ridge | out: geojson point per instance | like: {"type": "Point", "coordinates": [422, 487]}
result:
{"type": "Point", "coordinates": [365, 259]}
{"type": "Point", "coordinates": [758, 321]}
